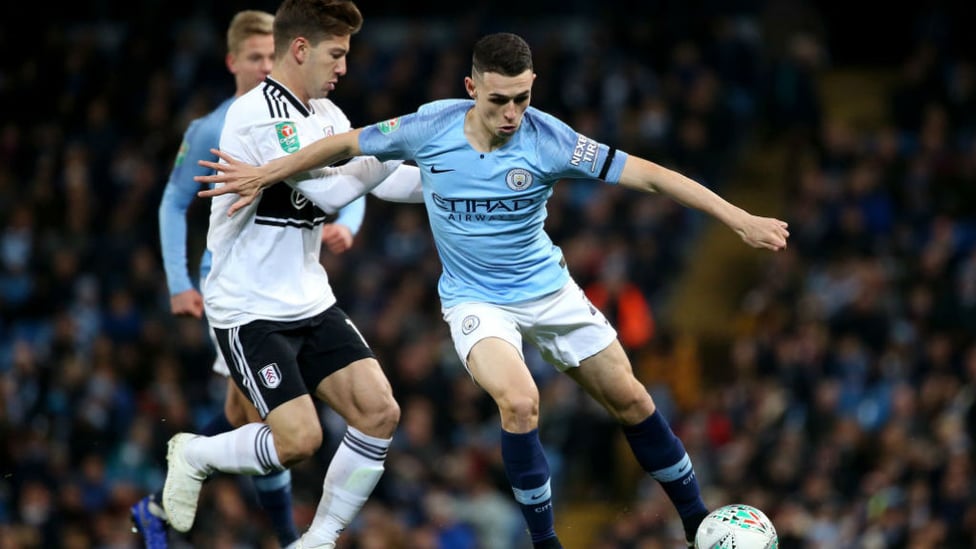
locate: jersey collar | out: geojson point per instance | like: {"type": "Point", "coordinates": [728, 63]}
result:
{"type": "Point", "coordinates": [281, 91]}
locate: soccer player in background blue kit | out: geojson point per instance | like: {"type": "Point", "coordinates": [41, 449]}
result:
{"type": "Point", "coordinates": [250, 55]}
{"type": "Point", "coordinates": [488, 167]}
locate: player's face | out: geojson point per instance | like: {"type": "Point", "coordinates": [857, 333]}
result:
{"type": "Point", "coordinates": [326, 63]}
{"type": "Point", "coordinates": [500, 101]}
{"type": "Point", "coordinates": [252, 62]}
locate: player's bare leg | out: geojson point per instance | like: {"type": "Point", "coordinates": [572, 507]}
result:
{"type": "Point", "coordinates": [362, 395]}
{"type": "Point", "coordinates": [609, 378]}
{"type": "Point", "coordinates": [499, 369]}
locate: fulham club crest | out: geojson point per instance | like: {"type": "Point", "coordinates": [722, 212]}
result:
{"type": "Point", "coordinates": [270, 375]}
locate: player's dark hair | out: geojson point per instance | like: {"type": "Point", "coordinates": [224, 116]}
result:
{"type": "Point", "coordinates": [503, 53]}
{"type": "Point", "coordinates": [315, 20]}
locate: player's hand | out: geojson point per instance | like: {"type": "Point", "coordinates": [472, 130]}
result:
{"type": "Point", "coordinates": [237, 177]}
{"type": "Point", "coordinates": [763, 232]}
{"type": "Point", "coordinates": [337, 237]}
{"type": "Point", "coordinates": [188, 303]}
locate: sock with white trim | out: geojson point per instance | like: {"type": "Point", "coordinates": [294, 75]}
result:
{"type": "Point", "coordinates": [528, 473]}
{"type": "Point", "coordinates": [663, 456]}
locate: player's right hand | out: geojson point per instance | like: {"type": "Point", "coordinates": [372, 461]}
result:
{"type": "Point", "coordinates": [236, 177]}
{"type": "Point", "coordinates": [188, 303]}
{"type": "Point", "coordinates": [763, 232]}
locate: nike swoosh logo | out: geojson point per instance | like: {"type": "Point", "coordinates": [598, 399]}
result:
{"type": "Point", "coordinates": [536, 496]}
{"type": "Point", "coordinates": [433, 169]}
{"type": "Point", "coordinates": [682, 469]}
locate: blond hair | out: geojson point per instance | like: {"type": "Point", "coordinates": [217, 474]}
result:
{"type": "Point", "coordinates": [246, 24]}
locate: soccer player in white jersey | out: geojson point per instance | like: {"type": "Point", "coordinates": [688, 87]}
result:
{"type": "Point", "coordinates": [488, 167]}
{"type": "Point", "coordinates": [269, 302]}
{"type": "Point", "coordinates": [250, 55]}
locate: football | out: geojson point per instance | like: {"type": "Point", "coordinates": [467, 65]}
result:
{"type": "Point", "coordinates": [736, 526]}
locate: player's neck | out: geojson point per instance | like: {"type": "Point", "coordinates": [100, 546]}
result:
{"type": "Point", "coordinates": [292, 81]}
{"type": "Point", "coordinates": [481, 138]}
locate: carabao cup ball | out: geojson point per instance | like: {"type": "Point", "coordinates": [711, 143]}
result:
{"type": "Point", "coordinates": [736, 526]}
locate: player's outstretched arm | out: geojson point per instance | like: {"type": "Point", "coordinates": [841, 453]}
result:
{"type": "Point", "coordinates": [756, 231]}
{"type": "Point", "coordinates": [248, 181]}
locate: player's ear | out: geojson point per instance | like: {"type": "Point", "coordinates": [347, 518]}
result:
{"type": "Point", "coordinates": [299, 49]}
{"type": "Point", "coordinates": [469, 87]}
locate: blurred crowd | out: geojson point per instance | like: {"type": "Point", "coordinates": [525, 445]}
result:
{"type": "Point", "coordinates": [846, 407]}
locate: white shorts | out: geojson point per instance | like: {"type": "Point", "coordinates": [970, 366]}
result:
{"type": "Point", "coordinates": [219, 365]}
{"type": "Point", "coordinates": [564, 326]}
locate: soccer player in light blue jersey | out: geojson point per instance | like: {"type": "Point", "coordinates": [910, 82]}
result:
{"type": "Point", "coordinates": [250, 55]}
{"type": "Point", "coordinates": [488, 166]}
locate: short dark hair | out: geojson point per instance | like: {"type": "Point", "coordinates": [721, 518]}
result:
{"type": "Point", "coordinates": [316, 20]}
{"type": "Point", "coordinates": [502, 53]}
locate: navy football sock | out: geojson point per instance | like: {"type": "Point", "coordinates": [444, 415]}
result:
{"type": "Point", "coordinates": [548, 543]}
{"type": "Point", "coordinates": [662, 455]}
{"type": "Point", "coordinates": [274, 495]}
{"type": "Point", "coordinates": [528, 472]}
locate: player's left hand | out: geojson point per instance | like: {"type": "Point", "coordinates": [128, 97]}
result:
{"type": "Point", "coordinates": [763, 232]}
{"type": "Point", "coordinates": [236, 177]}
{"type": "Point", "coordinates": [337, 237]}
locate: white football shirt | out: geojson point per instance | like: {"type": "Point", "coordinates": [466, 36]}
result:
{"type": "Point", "coordinates": [266, 256]}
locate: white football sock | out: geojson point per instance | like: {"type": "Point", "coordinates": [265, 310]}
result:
{"type": "Point", "coordinates": [355, 469]}
{"type": "Point", "coordinates": [247, 450]}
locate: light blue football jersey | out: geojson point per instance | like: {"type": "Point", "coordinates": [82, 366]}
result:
{"type": "Point", "coordinates": [202, 134]}
{"type": "Point", "coordinates": [487, 210]}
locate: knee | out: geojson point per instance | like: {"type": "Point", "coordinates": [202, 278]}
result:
{"type": "Point", "coordinates": [632, 407]}
{"type": "Point", "coordinates": [380, 420]}
{"type": "Point", "coordinates": [522, 409]}
{"type": "Point", "coordinates": [387, 417]}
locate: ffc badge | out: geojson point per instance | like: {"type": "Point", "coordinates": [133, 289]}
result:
{"type": "Point", "coordinates": [287, 136]}
{"type": "Point", "coordinates": [270, 375]}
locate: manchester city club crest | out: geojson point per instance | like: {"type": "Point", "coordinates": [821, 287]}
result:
{"type": "Point", "coordinates": [470, 324]}
{"type": "Point", "coordinates": [518, 179]}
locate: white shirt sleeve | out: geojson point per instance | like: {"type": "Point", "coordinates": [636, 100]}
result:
{"type": "Point", "coordinates": [333, 187]}
{"type": "Point", "coordinates": [403, 185]}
